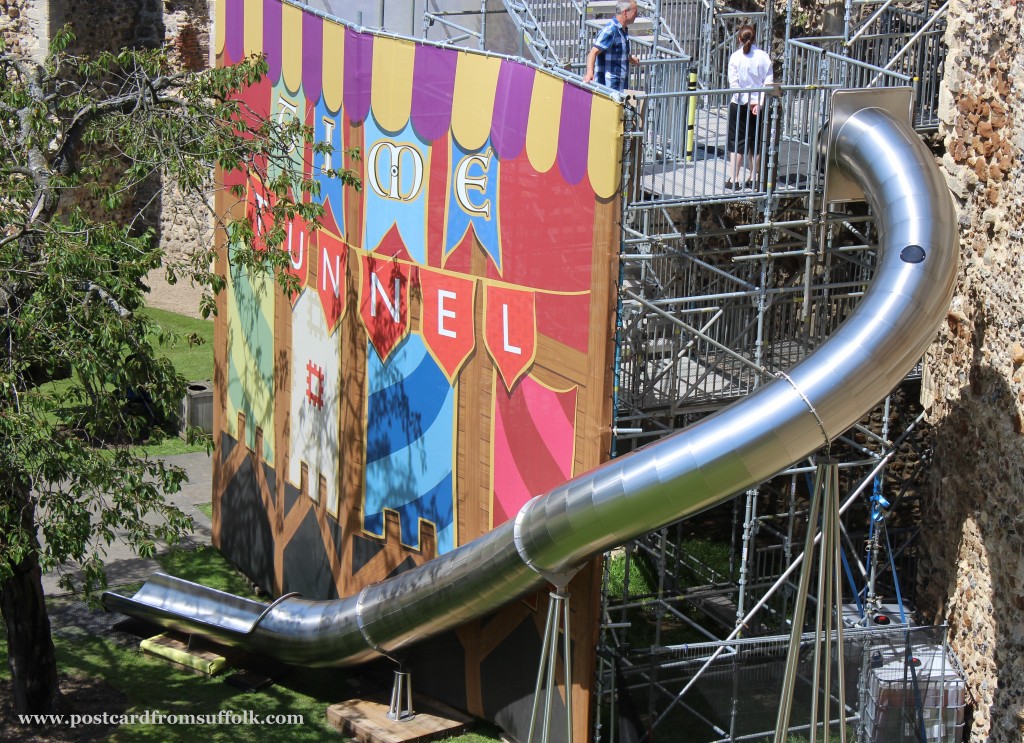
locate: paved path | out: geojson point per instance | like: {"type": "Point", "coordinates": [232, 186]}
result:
{"type": "Point", "coordinates": [123, 566]}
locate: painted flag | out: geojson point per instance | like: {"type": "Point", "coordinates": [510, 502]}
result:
{"type": "Point", "coordinates": [299, 242]}
{"type": "Point", "coordinates": [286, 107]}
{"type": "Point", "coordinates": [384, 302]}
{"type": "Point", "coordinates": [447, 318]}
{"type": "Point", "coordinates": [473, 201]}
{"type": "Point", "coordinates": [331, 284]}
{"type": "Point", "coordinates": [395, 187]}
{"type": "Point", "coordinates": [510, 330]}
{"type": "Point", "coordinates": [329, 128]}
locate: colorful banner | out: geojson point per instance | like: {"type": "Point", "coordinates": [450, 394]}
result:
{"type": "Point", "coordinates": [446, 357]}
{"type": "Point", "coordinates": [468, 253]}
{"type": "Point", "coordinates": [447, 319]}
{"type": "Point", "coordinates": [510, 331]}
{"type": "Point", "coordinates": [384, 302]}
{"type": "Point", "coordinates": [473, 202]}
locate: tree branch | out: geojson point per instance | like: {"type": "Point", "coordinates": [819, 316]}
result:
{"type": "Point", "coordinates": [95, 290]}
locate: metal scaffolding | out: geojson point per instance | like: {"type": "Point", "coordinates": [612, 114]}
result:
{"type": "Point", "coordinates": [720, 292]}
{"type": "Point", "coordinates": [722, 289]}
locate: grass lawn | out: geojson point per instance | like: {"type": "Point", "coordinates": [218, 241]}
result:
{"type": "Point", "coordinates": [150, 684]}
{"type": "Point", "coordinates": [154, 685]}
{"type": "Point", "coordinates": [193, 361]}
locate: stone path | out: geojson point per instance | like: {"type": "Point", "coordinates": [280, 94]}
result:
{"type": "Point", "coordinates": [123, 566]}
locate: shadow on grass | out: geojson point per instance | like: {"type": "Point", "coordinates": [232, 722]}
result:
{"type": "Point", "coordinates": [205, 565]}
{"type": "Point", "coordinates": [87, 647]}
{"type": "Point", "coordinates": [164, 696]}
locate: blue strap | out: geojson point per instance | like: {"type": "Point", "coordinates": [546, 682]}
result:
{"type": "Point", "coordinates": [895, 577]}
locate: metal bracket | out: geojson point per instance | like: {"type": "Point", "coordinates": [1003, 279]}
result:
{"type": "Point", "coordinates": [898, 102]}
{"type": "Point", "coordinates": [401, 698]}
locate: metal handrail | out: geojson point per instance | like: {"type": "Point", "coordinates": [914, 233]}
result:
{"type": "Point", "coordinates": [913, 40]}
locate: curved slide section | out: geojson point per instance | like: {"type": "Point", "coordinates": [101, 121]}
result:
{"type": "Point", "coordinates": [690, 471]}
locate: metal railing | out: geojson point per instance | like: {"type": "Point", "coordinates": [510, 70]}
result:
{"type": "Point", "coordinates": [665, 117]}
{"type": "Point", "coordinates": [700, 348]}
{"type": "Point", "coordinates": [453, 24]}
{"type": "Point", "coordinates": [558, 33]}
{"type": "Point", "coordinates": [894, 47]}
{"type": "Point", "coordinates": [813, 62]}
{"type": "Point", "coordinates": [680, 153]}
{"type": "Point", "coordinates": [553, 29]}
{"type": "Point", "coordinates": [689, 21]}
{"type": "Point", "coordinates": [722, 28]}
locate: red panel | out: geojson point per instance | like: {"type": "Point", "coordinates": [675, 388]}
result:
{"type": "Point", "coordinates": [510, 330]}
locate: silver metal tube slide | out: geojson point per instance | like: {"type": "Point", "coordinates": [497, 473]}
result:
{"type": "Point", "coordinates": [689, 471]}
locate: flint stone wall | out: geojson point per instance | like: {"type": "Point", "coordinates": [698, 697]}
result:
{"type": "Point", "coordinates": [973, 568]}
{"type": "Point", "coordinates": [184, 225]}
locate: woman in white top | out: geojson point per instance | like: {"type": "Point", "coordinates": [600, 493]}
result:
{"type": "Point", "coordinates": [749, 67]}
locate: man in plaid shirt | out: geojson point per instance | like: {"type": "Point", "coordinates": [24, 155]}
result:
{"type": "Point", "coordinates": [609, 58]}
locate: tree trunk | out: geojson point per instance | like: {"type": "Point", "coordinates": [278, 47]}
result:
{"type": "Point", "coordinates": [31, 656]}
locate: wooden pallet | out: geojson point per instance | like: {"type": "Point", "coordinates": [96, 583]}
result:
{"type": "Point", "coordinates": [366, 720]}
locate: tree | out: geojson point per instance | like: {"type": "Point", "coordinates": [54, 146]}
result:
{"type": "Point", "coordinates": [88, 142]}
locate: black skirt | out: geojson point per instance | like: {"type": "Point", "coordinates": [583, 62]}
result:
{"type": "Point", "coordinates": [743, 130]}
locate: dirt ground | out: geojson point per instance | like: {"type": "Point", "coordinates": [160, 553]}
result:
{"type": "Point", "coordinates": [70, 617]}
{"type": "Point", "coordinates": [83, 696]}
{"type": "Point", "coordinates": [182, 297]}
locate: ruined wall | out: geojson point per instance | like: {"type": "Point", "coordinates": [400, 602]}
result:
{"type": "Point", "coordinates": [17, 18]}
{"type": "Point", "coordinates": [186, 225]}
{"type": "Point", "coordinates": [183, 225]}
{"type": "Point", "coordinates": [973, 572]}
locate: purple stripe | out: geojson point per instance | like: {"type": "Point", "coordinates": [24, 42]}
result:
{"type": "Point", "coordinates": [312, 56]}
{"type": "Point", "coordinates": [511, 109]}
{"type": "Point", "coordinates": [433, 84]}
{"type": "Point", "coordinates": [272, 38]}
{"type": "Point", "coordinates": [358, 74]}
{"type": "Point", "coordinates": [574, 133]}
{"type": "Point", "coordinates": [234, 30]}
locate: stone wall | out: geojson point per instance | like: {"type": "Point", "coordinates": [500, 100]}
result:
{"type": "Point", "coordinates": [973, 571]}
{"type": "Point", "coordinates": [17, 17]}
{"type": "Point", "coordinates": [183, 224]}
